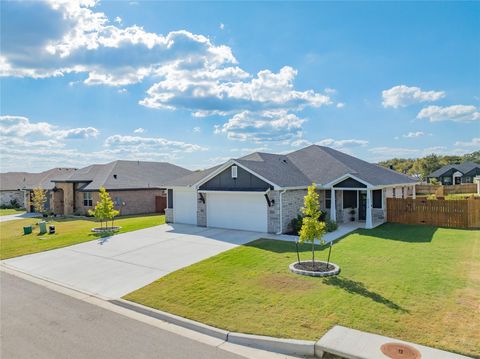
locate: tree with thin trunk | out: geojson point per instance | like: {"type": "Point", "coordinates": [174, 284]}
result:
{"type": "Point", "coordinates": [39, 198]}
{"type": "Point", "coordinates": [312, 229]}
{"type": "Point", "coordinates": [104, 209]}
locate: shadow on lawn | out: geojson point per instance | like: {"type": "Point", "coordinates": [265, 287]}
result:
{"type": "Point", "coordinates": [359, 288]}
{"type": "Point", "coordinates": [401, 232]}
{"type": "Point", "coordinates": [278, 246]}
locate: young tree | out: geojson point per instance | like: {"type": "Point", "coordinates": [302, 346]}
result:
{"type": "Point", "coordinates": [104, 209]}
{"type": "Point", "coordinates": [312, 228]}
{"type": "Point", "coordinates": [38, 200]}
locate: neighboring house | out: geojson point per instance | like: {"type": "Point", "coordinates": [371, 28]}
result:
{"type": "Point", "coordinates": [264, 192]}
{"type": "Point", "coordinates": [134, 186]}
{"type": "Point", "coordinates": [456, 174]}
{"type": "Point", "coordinates": [18, 186]}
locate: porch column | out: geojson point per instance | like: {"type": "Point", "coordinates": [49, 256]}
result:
{"type": "Point", "coordinates": [368, 219]}
{"type": "Point", "coordinates": [414, 194]}
{"type": "Point", "coordinates": [333, 208]}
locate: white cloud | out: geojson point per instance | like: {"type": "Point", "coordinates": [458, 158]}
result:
{"type": "Point", "coordinates": [118, 20]}
{"type": "Point", "coordinates": [224, 92]}
{"type": "Point", "coordinates": [330, 91]}
{"type": "Point", "coordinates": [474, 142]}
{"type": "Point", "coordinates": [188, 71]}
{"type": "Point", "coordinates": [456, 113]}
{"type": "Point", "coordinates": [340, 105]}
{"type": "Point", "coordinates": [262, 127]}
{"type": "Point", "coordinates": [401, 96]}
{"type": "Point", "coordinates": [221, 26]}
{"type": "Point", "coordinates": [142, 144]}
{"type": "Point", "coordinates": [19, 126]}
{"type": "Point", "coordinates": [70, 37]}
{"type": "Point", "coordinates": [414, 134]}
{"type": "Point", "coordinates": [139, 130]}
{"type": "Point", "coordinates": [197, 129]}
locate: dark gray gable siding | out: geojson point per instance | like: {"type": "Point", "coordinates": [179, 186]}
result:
{"type": "Point", "coordinates": [349, 183]}
{"type": "Point", "coordinates": [245, 181]}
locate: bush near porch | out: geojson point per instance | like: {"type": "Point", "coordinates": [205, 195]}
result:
{"type": "Point", "coordinates": [69, 231]}
{"type": "Point", "coordinates": [416, 283]}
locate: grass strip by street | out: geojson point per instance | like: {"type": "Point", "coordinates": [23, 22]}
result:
{"type": "Point", "coordinates": [69, 231]}
{"type": "Point", "coordinates": [415, 283]}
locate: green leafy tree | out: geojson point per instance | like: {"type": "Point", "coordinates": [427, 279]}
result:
{"type": "Point", "coordinates": [104, 209]}
{"type": "Point", "coordinates": [312, 229]}
{"type": "Point", "coordinates": [39, 198]}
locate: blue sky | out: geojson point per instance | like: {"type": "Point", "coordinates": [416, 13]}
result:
{"type": "Point", "coordinates": [196, 83]}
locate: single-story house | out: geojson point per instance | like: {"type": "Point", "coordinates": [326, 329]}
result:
{"type": "Point", "coordinates": [456, 174]}
{"type": "Point", "coordinates": [134, 186]}
{"type": "Point", "coordinates": [18, 186]}
{"type": "Point", "coordinates": [264, 192]}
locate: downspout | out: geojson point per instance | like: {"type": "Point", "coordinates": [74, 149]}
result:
{"type": "Point", "coordinates": [281, 211]}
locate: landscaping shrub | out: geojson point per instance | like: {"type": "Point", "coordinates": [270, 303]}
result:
{"type": "Point", "coordinates": [296, 223]}
{"type": "Point", "coordinates": [331, 226]}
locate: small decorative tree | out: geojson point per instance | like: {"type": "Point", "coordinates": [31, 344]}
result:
{"type": "Point", "coordinates": [104, 209]}
{"type": "Point", "coordinates": [312, 229]}
{"type": "Point", "coordinates": [38, 200]}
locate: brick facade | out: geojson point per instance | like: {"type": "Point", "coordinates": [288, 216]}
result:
{"type": "Point", "coordinates": [127, 202]}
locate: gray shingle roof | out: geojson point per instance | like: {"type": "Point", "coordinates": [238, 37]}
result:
{"type": "Point", "coordinates": [310, 164]}
{"type": "Point", "coordinates": [12, 181]}
{"type": "Point", "coordinates": [122, 175]}
{"type": "Point", "coordinates": [464, 167]}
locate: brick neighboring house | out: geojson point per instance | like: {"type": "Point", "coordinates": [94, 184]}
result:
{"type": "Point", "coordinates": [263, 191]}
{"type": "Point", "coordinates": [134, 186]}
{"type": "Point", "coordinates": [18, 186]}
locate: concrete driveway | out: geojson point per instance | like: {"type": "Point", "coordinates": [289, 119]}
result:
{"type": "Point", "coordinates": [12, 217]}
{"type": "Point", "coordinates": [114, 266]}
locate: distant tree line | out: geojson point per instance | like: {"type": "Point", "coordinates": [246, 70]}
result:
{"type": "Point", "coordinates": [423, 166]}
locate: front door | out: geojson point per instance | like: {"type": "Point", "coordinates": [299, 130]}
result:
{"type": "Point", "coordinates": [362, 205]}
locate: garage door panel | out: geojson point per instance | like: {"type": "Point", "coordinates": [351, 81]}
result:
{"type": "Point", "coordinates": [185, 207]}
{"type": "Point", "coordinates": [246, 211]}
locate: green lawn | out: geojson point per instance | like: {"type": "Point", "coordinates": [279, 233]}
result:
{"type": "Point", "coordinates": [416, 283]}
{"type": "Point", "coordinates": [68, 231]}
{"type": "Point", "coordinates": [5, 212]}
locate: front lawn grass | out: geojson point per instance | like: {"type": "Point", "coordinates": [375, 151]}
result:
{"type": "Point", "coordinates": [416, 283]}
{"type": "Point", "coordinates": [8, 211]}
{"type": "Point", "coordinates": [69, 231]}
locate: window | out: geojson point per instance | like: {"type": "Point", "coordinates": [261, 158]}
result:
{"type": "Point", "coordinates": [349, 199]}
{"type": "Point", "coordinates": [118, 201]}
{"type": "Point", "coordinates": [328, 198]}
{"type": "Point", "coordinates": [377, 198]}
{"type": "Point", "coordinates": [394, 195]}
{"type": "Point", "coordinates": [403, 192]}
{"type": "Point", "coordinates": [234, 171]}
{"type": "Point", "coordinates": [468, 179]}
{"type": "Point", "coordinates": [447, 180]}
{"type": "Point", "coordinates": [170, 198]}
{"type": "Point", "coordinates": [87, 199]}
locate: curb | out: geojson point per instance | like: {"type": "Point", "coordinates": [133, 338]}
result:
{"type": "Point", "coordinates": [174, 319]}
{"type": "Point", "coordinates": [283, 346]}
{"type": "Point", "coordinates": [277, 345]}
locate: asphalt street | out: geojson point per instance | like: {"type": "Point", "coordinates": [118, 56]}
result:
{"type": "Point", "coordinates": [37, 322]}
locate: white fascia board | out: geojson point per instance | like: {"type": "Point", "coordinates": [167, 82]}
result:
{"type": "Point", "coordinates": [234, 192]}
{"type": "Point", "coordinates": [225, 166]}
{"type": "Point", "coordinates": [344, 177]}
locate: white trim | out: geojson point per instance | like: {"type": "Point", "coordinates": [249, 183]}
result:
{"type": "Point", "coordinates": [233, 192]}
{"type": "Point", "coordinates": [344, 177]}
{"type": "Point", "coordinates": [225, 166]}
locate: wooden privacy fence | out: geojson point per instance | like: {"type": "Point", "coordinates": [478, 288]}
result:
{"type": "Point", "coordinates": [439, 190]}
{"type": "Point", "coordinates": [442, 213]}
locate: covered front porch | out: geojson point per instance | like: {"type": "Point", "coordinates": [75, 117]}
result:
{"type": "Point", "coordinates": [352, 201]}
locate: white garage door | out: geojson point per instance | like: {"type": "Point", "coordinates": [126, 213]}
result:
{"type": "Point", "coordinates": [184, 206]}
{"type": "Point", "coordinates": [247, 211]}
